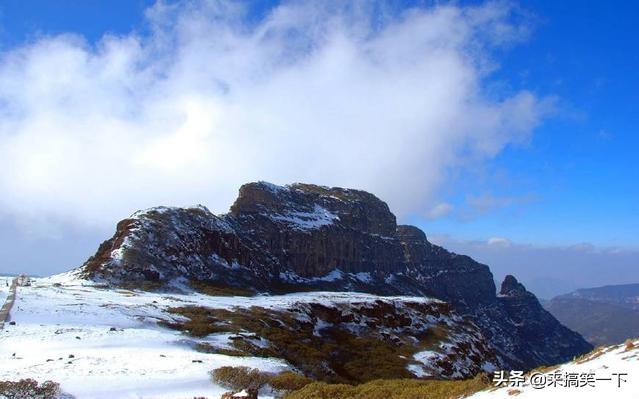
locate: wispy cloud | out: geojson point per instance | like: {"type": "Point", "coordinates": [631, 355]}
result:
{"type": "Point", "coordinates": [350, 94]}
{"type": "Point", "coordinates": [498, 241]}
{"type": "Point", "coordinates": [440, 210]}
{"type": "Point", "coordinates": [487, 202]}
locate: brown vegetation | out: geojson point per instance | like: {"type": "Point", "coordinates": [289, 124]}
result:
{"type": "Point", "coordinates": [629, 344]}
{"type": "Point", "coordinates": [393, 389]}
{"type": "Point", "coordinates": [238, 378]}
{"type": "Point", "coordinates": [29, 389]}
{"type": "Point", "coordinates": [208, 348]}
{"type": "Point", "coordinates": [595, 353]}
{"type": "Point", "coordinates": [211, 289]}
{"type": "Point", "coordinates": [338, 356]}
{"type": "Point", "coordinates": [289, 381]}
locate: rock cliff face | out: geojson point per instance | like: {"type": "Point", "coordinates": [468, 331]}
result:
{"type": "Point", "coordinates": [305, 237]}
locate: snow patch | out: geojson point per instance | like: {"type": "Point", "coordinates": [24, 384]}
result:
{"type": "Point", "coordinates": [307, 220]}
{"type": "Point", "coordinates": [605, 362]}
{"type": "Point", "coordinates": [418, 371]}
{"type": "Point", "coordinates": [364, 277]}
{"type": "Point", "coordinates": [426, 357]}
{"type": "Point", "coordinates": [333, 275]}
{"type": "Point", "coordinates": [274, 188]}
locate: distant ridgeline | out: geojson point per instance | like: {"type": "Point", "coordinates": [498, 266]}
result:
{"type": "Point", "coordinates": [304, 237]}
{"type": "Point", "coordinates": [604, 315]}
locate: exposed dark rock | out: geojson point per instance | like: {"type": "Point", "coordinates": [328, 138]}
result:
{"type": "Point", "coordinates": [510, 287]}
{"type": "Point", "coordinates": [533, 327]}
{"type": "Point", "coordinates": [306, 237]}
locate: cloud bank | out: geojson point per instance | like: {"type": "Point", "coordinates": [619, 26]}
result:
{"type": "Point", "coordinates": [208, 97]}
{"type": "Point", "coordinates": [553, 269]}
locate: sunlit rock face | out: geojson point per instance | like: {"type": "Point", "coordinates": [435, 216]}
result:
{"type": "Point", "coordinates": [304, 237]}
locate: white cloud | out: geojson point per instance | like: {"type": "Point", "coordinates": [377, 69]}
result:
{"type": "Point", "coordinates": [331, 94]}
{"type": "Point", "coordinates": [440, 210]}
{"type": "Point", "coordinates": [498, 241]}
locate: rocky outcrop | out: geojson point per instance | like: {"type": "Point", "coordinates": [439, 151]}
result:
{"type": "Point", "coordinates": [525, 325]}
{"type": "Point", "coordinates": [305, 237]}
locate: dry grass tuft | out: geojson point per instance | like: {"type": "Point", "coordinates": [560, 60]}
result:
{"type": "Point", "coordinates": [595, 353]}
{"type": "Point", "coordinates": [630, 344]}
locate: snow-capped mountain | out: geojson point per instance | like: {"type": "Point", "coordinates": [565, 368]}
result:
{"type": "Point", "coordinates": [301, 237]}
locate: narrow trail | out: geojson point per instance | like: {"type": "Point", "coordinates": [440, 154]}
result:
{"type": "Point", "coordinates": [8, 304]}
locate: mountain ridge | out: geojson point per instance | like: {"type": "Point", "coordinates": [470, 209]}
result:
{"type": "Point", "coordinates": [613, 312]}
{"type": "Point", "coordinates": [302, 237]}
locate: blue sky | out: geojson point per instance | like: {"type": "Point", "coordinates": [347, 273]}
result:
{"type": "Point", "coordinates": [568, 178]}
{"type": "Point", "coordinates": [578, 172]}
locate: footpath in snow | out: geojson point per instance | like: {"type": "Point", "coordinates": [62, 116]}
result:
{"type": "Point", "coordinates": [5, 284]}
{"type": "Point", "coordinates": [7, 300]}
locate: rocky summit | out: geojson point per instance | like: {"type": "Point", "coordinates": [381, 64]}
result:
{"type": "Point", "coordinates": [304, 237]}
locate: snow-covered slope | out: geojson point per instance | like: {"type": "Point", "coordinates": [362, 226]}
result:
{"type": "Point", "coordinates": [106, 343]}
{"type": "Point", "coordinates": [607, 372]}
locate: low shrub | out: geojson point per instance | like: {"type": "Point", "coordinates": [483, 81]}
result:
{"type": "Point", "coordinates": [200, 323]}
{"type": "Point", "coordinates": [208, 348]}
{"type": "Point", "coordinates": [289, 381]}
{"type": "Point", "coordinates": [238, 378]}
{"type": "Point", "coordinates": [322, 390]}
{"type": "Point", "coordinates": [393, 389]}
{"type": "Point", "coordinates": [29, 389]}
